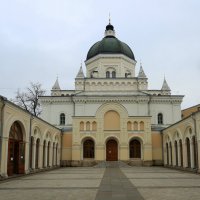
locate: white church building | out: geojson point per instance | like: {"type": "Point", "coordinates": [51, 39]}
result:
{"type": "Point", "coordinates": [111, 114]}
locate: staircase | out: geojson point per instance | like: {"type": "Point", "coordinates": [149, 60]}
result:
{"type": "Point", "coordinates": [111, 164]}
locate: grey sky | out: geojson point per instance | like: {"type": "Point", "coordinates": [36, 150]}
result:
{"type": "Point", "coordinates": [40, 39]}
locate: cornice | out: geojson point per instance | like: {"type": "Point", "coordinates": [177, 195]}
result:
{"type": "Point", "coordinates": [108, 98]}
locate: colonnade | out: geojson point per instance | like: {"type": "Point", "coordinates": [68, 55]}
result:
{"type": "Point", "coordinates": [43, 154]}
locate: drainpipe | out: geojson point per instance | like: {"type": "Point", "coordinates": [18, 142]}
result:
{"type": "Point", "coordinates": [1, 125]}
{"type": "Point", "coordinates": [196, 144]}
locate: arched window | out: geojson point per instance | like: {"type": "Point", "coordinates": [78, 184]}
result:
{"type": "Point", "coordinates": [88, 149]}
{"type": "Point", "coordinates": [81, 126]}
{"type": "Point", "coordinates": [129, 126]}
{"type": "Point", "coordinates": [107, 74]}
{"type": "Point", "coordinates": [94, 126]}
{"type": "Point", "coordinates": [135, 126]}
{"type": "Point", "coordinates": [87, 126]}
{"type": "Point", "coordinates": [62, 119]}
{"type": "Point", "coordinates": [142, 126]}
{"type": "Point", "coordinates": [160, 118]}
{"type": "Point", "coordinates": [113, 74]}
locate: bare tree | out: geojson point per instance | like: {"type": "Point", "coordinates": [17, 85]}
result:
{"type": "Point", "coordinates": [29, 100]}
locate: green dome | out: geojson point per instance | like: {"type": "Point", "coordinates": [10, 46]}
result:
{"type": "Point", "coordinates": [110, 45]}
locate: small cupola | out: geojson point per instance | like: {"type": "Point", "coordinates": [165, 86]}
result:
{"type": "Point", "coordinates": [109, 32]}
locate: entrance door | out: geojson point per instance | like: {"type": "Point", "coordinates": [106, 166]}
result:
{"type": "Point", "coordinates": [111, 150]}
{"type": "Point", "coordinates": [16, 151]}
{"type": "Point", "coordinates": [135, 149]}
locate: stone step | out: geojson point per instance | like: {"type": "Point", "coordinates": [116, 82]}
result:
{"type": "Point", "coordinates": [111, 164]}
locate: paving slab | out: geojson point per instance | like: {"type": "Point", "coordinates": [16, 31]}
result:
{"type": "Point", "coordinates": [108, 181]}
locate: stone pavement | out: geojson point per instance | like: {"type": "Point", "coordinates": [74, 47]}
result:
{"type": "Point", "coordinates": [109, 181]}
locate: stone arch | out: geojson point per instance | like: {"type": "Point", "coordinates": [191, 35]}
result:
{"type": "Point", "coordinates": [111, 106]}
{"type": "Point", "coordinates": [187, 132]}
{"type": "Point", "coordinates": [16, 149]}
{"type": "Point", "coordinates": [36, 132]}
{"type": "Point", "coordinates": [112, 148]}
{"type": "Point", "coordinates": [135, 148]}
{"type": "Point", "coordinates": [22, 125]}
{"type": "Point", "coordinates": [141, 140]}
{"type": "Point", "coordinates": [88, 147]}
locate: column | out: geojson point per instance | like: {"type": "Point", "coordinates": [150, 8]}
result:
{"type": "Point", "coordinates": [173, 155]}
{"type": "Point", "coordinates": [165, 154]}
{"type": "Point", "coordinates": [33, 153]}
{"type": "Point", "coordinates": [179, 154]}
{"type": "Point", "coordinates": [40, 163]}
{"type": "Point", "coordinates": [170, 159]}
{"type": "Point", "coordinates": [192, 153]}
{"type": "Point", "coordinates": [50, 154]}
{"type": "Point", "coordinates": [4, 157]}
{"type": "Point", "coordinates": [54, 162]}
{"type": "Point", "coordinates": [45, 153]}
{"type": "Point", "coordinates": [58, 156]}
{"type": "Point", "coordinates": [198, 147]}
{"type": "Point", "coordinates": [184, 154]}
{"type": "Point", "coordinates": [26, 157]}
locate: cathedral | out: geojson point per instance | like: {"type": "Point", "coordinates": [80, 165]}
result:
{"type": "Point", "coordinates": [111, 115]}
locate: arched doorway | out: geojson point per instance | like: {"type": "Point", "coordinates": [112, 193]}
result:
{"type": "Point", "coordinates": [111, 150]}
{"type": "Point", "coordinates": [16, 150]}
{"type": "Point", "coordinates": [56, 154]}
{"type": "Point", "coordinates": [167, 151]}
{"type": "Point", "coordinates": [31, 152]}
{"type": "Point", "coordinates": [135, 149]}
{"type": "Point", "coordinates": [44, 154]}
{"type": "Point", "coordinates": [88, 149]}
{"type": "Point", "coordinates": [176, 152]}
{"type": "Point", "coordinates": [37, 153]}
{"type": "Point", "coordinates": [188, 153]}
{"type": "Point", "coordinates": [48, 154]}
{"type": "Point", "coordinates": [181, 152]}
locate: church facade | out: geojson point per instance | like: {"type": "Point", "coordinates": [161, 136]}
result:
{"type": "Point", "coordinates": [111, 114]}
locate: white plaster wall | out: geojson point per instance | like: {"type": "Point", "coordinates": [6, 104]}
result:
{"type": "Point", "coordinates": [171, 113]}
{"type": "Point", "coordinates": [119, 62]}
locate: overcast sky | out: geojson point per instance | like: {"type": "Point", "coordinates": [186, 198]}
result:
{"type": "Point", "coordinates": [40, 39]}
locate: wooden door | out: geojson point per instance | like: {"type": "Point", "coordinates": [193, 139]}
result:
{"type": "Point", "coordinates": [135, 149]}
{"type": "Point", "coordinates": [21, 158]}
{"type": "Point", "coordinates": [111, 150]}
{"type": "Point", "coordinates": [10, 168]}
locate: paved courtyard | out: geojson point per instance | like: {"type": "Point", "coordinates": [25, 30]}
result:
{"type": "Point", "coordinates": [135, 183]}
